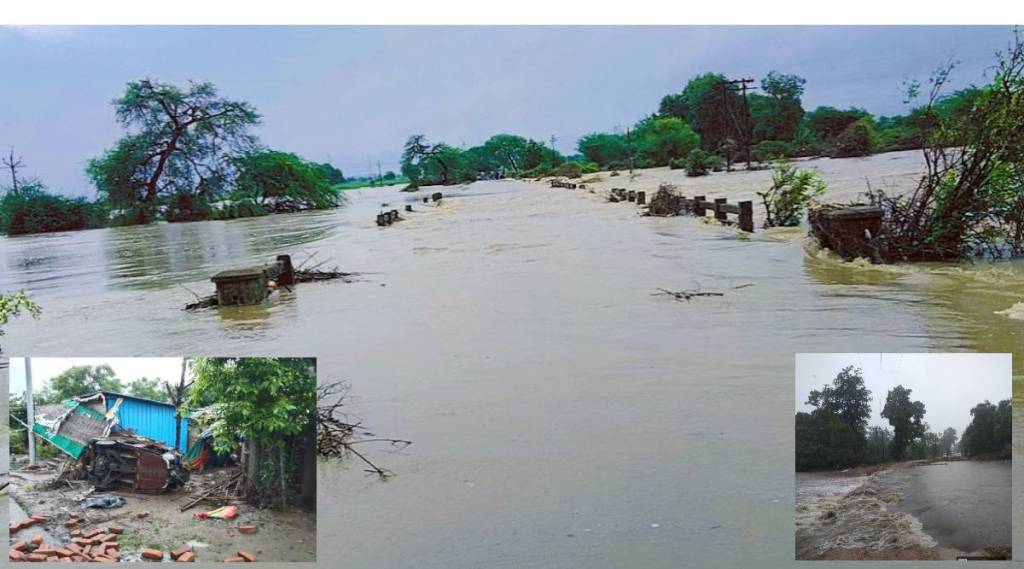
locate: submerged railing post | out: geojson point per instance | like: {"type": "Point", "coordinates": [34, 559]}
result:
{"type": "Point", "coordinates": [698, 206]}
{"type": "Point", "coordinates": [720, 213]}
{"type": "Point", "coordinates": [747, 216]}
{"type": "Point", "coordinates": [641, 198]}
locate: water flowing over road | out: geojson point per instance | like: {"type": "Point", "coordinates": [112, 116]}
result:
{"type": "Point", "coordinates": [562, 413]}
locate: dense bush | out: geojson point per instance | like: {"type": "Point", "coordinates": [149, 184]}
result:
{"type": "Point", "coordinates": [857, 139]}
{"type": "Point", "coordinates": [32, 210]}
{"type": "Point", "coordinates": [280, 181]}
{"type": "Point", "coordinates": [990, 430]}
{"type": "Point", "coordinates": [792, 190]}
{"type": "Point", "coordinates": [677, 164]}
{"type": "Point", "coordinates": [770, 150]}
{"type": "Point", "coordinates": [700, 163]}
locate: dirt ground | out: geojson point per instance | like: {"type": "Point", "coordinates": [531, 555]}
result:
{"type": "Point", "coordinates": [281, 536]}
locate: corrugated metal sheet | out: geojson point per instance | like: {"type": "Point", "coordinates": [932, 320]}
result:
{"type": "Point", "coordinates": [150, 419]}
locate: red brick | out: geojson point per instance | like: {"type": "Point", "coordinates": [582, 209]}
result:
{"type": "Point", "coordinates": [180, 551]}
{"type": "Point", "coordinates": [234, 560]}
{"type": "Point", "coordinates": [19, 544]}
{"type": "Point", "coordinates": [71, 523]}
{"type": "Point", "coordinates": [187, 557]}
{"type": "Point", "coordinates": [92, 532]}
{"type": "Point", "coordinates": [65, 552]}
{"type": "Point", "coordinates": [154, 554]}
{"type": "Point", "coordinates": [36, 557]}
{"type": "Point", "coordinates": [37, 538]}
{"type": "Point", "coordinates": [249, 557]}
{"type": "Point", "coordinates": [247, 529]}
{"type": "Point", "coordinates": [115, 529]}
{"type": "Point", "coordinates": [141, 514]}
{"type": "Point", "coordinates": [16, 555]}
{"type": "Point", "coordinates": [39, 518]}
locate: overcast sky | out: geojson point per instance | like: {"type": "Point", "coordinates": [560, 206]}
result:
{"type": "Point", "coordinates": [126, 369]}
{"type": "Point", "coordinates": [353, 95]}
{"type": "Point", "coordinates": [949, 385]}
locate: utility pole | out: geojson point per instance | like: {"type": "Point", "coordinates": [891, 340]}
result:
{"type": "Point", "coordinates": [380, 176]}
{"type": "Point", "coordinates": [552, 140]}
{"type": "Point", "coordinates": [742, 85]}
{"type": "Point", "coordinates": [629, 148]}
{"type": "Point", "coordinates": [30, 412]}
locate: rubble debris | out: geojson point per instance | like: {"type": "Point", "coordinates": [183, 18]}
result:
{"type": "Point", "coordinates": [153, 554]}
{"type": "Point", "coordinates": [104, 501]}
{"type": "Point", "coordinates": [248, 557]}
{"type": "Point", "coordinates": [848, 231]}
{"type": "Point", "coordinates": [247, 529]}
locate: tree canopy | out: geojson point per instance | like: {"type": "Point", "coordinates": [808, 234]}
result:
{"type": "Point", "coordinates": [178, 141]}
{"type": "Point", "coordinates": [906, 418]}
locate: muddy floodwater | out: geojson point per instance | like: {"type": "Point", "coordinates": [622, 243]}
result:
{"type": "Point", "coordinates": [562, 413]}
{"type": "Point", "coordinates": [936, 510]}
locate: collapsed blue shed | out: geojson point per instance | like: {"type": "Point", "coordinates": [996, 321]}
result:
{"type": "Point", "coordinates": [151, 419]}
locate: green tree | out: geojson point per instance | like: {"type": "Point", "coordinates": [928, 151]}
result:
{"type": "Point", "coordinates": [990, 429]}
{"type": "Point", "coordinates": [661, 140]}
{"type": "Point", "coordinates": [711, 107]}
{"type": "Point", "coordinates": [847, 398]}
{"type": "Point", "coordinates": [826, 123]}
{"type": "Point", "coordinates": [778, 114]}
{"type": "Point", "coordinates": [148, 389]}
{"type": "Point", "coordinates": [606, 149]}
{"type": "Point", "coordinates": [81, 380]}
{"type": "Point", "coordinates": [179, 142]}
{"type": "Point", "coordinates": [268, 398]}
{"type": "Point", "coordinates": [906, 418]}
{"type": "Point", "coordinates": [332, 174]}
{"type": "Point", "coordinates": [281, 181]}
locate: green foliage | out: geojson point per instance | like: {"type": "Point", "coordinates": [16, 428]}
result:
{"type": "Point", "coordinates": [771, 150]}
{"type": "Point", "coordinates": [568, 170]}
{"type": "Point", "coordinates": [334, 175]}
{"type": "Point", "coordinates": [833, 435]}
{"type": "Point", "coordinates": [778, 115]}
{"type": "Point", "coordinates": [148, 389]}
{"type": "Point", "coordinates": [281, 181]}
{"type": "Point", "coordinates": [178, 142]}
{"type": "Point", "coordinates": [826, 123]}
{"type": "Point", "coordinates": [661, 140]}
{"type": "Point", "coordinates": [14, 305]}
{"type": "Point", "coordinates": [699, 163]}
{"type": "Point", "coordinates": [791, 192]}
{"type": "Point", "coordinates": [31, 209]}
{"type": "Point", "coordinates": [710, 107]}
{"type": "Point", "coordinates": [677, 164]}
{"type": "Point", "coordinates": [605, 149]}
{"type": "Point", "coordinates": [269, 398]}
{"type": "Point", "coordinates": [859, 138]}
{"type": "Point", "coordinates": [906, 418]}
{"type": "Point", "coordinates": [990, 430]}
{"type": "Point", "coordinates": [81, 380]}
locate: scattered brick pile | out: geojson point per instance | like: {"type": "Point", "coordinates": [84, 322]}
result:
{"type": "Point", "coordinates": [96, 545]}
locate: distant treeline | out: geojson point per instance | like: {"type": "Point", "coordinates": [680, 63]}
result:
{"type": "Point", "coordinates": [835, 435]}
{"type": "Point", "coordinates": [187, 155]}
{"type": "Point", "coordinates": [709, 125]}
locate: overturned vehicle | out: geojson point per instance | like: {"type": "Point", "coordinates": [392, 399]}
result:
{"type": "Point", "coordinates": [116, 443]}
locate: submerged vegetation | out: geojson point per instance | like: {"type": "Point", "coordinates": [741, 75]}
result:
{"type": "Point", "coordinates": [835, 435]}
{"type": "Point", "coordinates": [14, 305]}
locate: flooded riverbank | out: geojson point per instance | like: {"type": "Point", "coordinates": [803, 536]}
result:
{"type": "Point", "coordinates": [925, 511]}
{"type": "Point", "coordinates": [562, 413]}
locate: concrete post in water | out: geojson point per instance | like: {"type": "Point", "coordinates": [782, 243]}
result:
{"type": "Point", "coordinates": [720, 213]}
{"type": "Point", "coordinates": [408, 207]}
{"type": "Point", "coordinates": [747, 216]}
{"type": "Point", "coordinates": [631, 196]}
{"type": "Point", "coordinates": [426, 199]}
{"type": "Point", "coordinates": [641, 198]}
{"type": "Point", "coordinates": [698, 206]}
{"type": "Point", "coordinates": [381, 221]}
{"type": "Point", "coordinates": [240, 286]}
{"type": "Point", "coordinates": [436, 196]}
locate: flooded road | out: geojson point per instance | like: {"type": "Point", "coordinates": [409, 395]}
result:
{"type": "Point", "coordinates": [921, 511]}
{"type": "Point", "coordinates": [961, 504]}
{"type": "Point", "coordinates": [562, 413]}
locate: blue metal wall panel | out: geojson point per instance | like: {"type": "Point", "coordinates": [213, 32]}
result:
{"type": "Point", "coordinates": [149, 419]}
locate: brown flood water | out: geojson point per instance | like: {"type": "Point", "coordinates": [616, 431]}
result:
{"type": "Point", "coordinates": [562, 414]}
